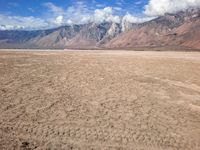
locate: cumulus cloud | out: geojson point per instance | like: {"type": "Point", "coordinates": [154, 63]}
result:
{"type": "Point", "coordinates": [105, 14]}
{"type": "Point", "coordinates": [160, 7]}
{"type": "Point", "coordinates": [59, 20]}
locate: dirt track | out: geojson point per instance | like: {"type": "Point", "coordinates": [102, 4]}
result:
{"type": "Point", "coordinates": [100, 100]}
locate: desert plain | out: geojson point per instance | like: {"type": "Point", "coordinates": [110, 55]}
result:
{"type": "Point", "coordinates": [124, 100]}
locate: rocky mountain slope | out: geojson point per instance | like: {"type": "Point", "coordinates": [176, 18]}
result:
{"type": "Point", "coordinates": [73, 36]}
{"type": "Point", "coordinates": [179, 29]}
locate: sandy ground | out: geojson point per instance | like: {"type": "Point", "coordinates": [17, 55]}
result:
{"type": "Point", "coordinates": [99, 100]}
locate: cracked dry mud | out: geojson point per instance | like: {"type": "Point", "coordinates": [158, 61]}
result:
{"type": "Point", "coordinates": [99, 100]}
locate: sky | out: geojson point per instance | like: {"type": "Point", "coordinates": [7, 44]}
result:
{"type": "Point", "coordinates": [39, 14]}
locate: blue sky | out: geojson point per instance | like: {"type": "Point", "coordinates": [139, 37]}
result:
{"type": "Point", "coordinates": [37, 8]}
{"type": "Point", "coordinates": [39, 14]}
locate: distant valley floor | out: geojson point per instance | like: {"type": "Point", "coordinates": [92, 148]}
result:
{"type": "Point", "coordinates": [153, 48]}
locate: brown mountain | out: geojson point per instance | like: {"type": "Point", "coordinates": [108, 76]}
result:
{"type": "Point", "coordinates": [180, 29]}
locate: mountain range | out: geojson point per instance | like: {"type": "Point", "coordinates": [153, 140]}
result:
{"type": "Point", "coordinates": [181, 29]}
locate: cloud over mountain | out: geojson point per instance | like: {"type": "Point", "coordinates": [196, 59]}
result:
{"type": "Point", "coordinates": [160, 7]}
{"type": "Point", "coordinates": [105, 14]}
{"type": "Point", "coordinates": [134, 19]}
{"type": "Point", "coordinates": [79, 13]}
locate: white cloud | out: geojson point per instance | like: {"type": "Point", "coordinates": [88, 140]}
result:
{"type": "Point", "coordinates": [54, 15]}
{"type": "Point", "coordinates": [69, 21]}
{"type": "Point", "coordinates": [160, 7]}
{"type": "Point", "coordinates": [59, 20]}
{"type": "Point", "coordinates": [18, 22]}
{"type": "Point", "coordinates": [105, 14]}
{"type": "Point", "coordinates": [134, 19]}
{"type": "Point", "coordinates": [80, 13]}
{"type": "Point", "coordinates": [53, 8]}
{"type": "Point", "coordinates": [10, 27]}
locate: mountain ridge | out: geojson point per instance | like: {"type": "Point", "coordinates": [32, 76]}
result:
{"type": "Point", "coordinates": [172, 29]}
{"type": "Point", "coordinates": [180, 29]}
